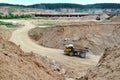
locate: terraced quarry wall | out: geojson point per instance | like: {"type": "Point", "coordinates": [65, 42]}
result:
{"type": "Point", "coordinates": [96, 36]}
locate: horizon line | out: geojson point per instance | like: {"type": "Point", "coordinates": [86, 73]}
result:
{"type": "Point", "coordinates": [56, 3]}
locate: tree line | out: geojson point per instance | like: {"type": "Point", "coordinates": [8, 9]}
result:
{"type": "Point", "coordinates": [54, 6]}
{"type": "Point", "coordinates": [76, 6]}
{"type": "Point", "coordinates": [14, 16]}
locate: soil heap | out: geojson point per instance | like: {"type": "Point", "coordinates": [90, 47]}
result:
{"type": "Point", "coordinates": [17, 65]}
{"type": "Point", "coordinates": [5, 32]}
{"type": "Point", "coordinates": [96, 36]}
{"type": "Point", "coordinates": [116, 19]}
{"type": "Point", "coordinates": [108, 67]}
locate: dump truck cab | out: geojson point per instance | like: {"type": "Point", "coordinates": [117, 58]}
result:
{"type": "Point", "coordinates": [68, 48]}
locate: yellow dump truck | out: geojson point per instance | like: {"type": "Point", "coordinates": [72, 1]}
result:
{"type": "Point", "coordinates": [72, 51]}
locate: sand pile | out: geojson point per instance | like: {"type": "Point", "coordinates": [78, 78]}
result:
{"type": "Point", "coordinates": [116, 19]}
{"type": "Point", "coordinates": [16, 65]}
{"type": "Point", "coordinates": [96, 36]}
{"type": "Point", "coordinates": [5, 32]}
{"type": "Point", "coordinates": [108, 67]}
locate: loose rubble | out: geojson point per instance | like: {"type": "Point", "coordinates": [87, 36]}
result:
{"type": "Point", "coordinates": [17, 65]}
{"type": "Point", "coordinates": [108, 67]}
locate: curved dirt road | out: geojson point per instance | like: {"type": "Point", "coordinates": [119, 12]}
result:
{"type": "Point", "coordinates": [20, 37]}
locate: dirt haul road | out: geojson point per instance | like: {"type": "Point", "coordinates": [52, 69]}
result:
{"type": "Point", "coordinates": [21, 38]}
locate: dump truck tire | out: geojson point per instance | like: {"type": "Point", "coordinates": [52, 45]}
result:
{"type": "Point", "coordinates": [82, 55]}
{"type": "Point", "coordinates": [71, 54]}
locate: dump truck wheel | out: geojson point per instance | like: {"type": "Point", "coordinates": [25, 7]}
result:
{"type": "Point", "coordinates": [71, 54]}
{"type": "Point", "coordinates": [82, 55]}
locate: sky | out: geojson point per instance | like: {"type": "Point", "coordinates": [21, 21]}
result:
{"type": "Point", "coordinates": [29, 2]}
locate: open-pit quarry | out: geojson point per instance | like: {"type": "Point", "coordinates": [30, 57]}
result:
{"type": "Point", "coordinates": [49, 42]}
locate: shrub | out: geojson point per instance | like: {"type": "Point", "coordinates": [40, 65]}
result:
{"type": "Point", "coordinates": [3, 46]}
{"type": "Point", "coordinates": [13, 16]}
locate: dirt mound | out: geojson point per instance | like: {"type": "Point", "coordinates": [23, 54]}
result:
{"type": "Point", "coordinates": [5, 32]}
{"type": "Point", "coordinates": [16, 65]}
{"type": "Point", "coordinates": [108, 67]}
{"type": "Point", "coordinates": [96, 36]}
{"type": "Point", "coordinates": [116, 19]}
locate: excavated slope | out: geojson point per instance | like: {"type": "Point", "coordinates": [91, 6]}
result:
{"type": "Point", "coordinates": [108, 67]}
{"type": "Point", "coordinates": [96, 36]}
{"type": "Point", "coordinates": [116, 19]}
{"type": "Point", "coordinates": [16, 65]}
{"type": "Point", "coordinates": [5, 33]}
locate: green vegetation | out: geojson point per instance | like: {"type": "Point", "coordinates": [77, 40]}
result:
{"type": "Point", "coordinates": [56, 6]}
{"type": "Point", "coordinates": [1, 13]}
{"type": "Point", "coordinates": [9, 25]}
{"type": "Point", "coordinates": [13, 16]}
{"type": "Point", "coordinates": [15, 7]}
{"type": "Point", "coordinates": [3, 46]}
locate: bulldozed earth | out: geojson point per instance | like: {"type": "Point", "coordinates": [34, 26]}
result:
{"type": "Point", "coordinates": [98, 36]}
{"type": "Point", "coordinates": [52, 57]}
{"type": "Point", "coordinates": [108, 67]}
{"type": "Point", "coordinates": [18, 65]}
{"type": "Point", "coordinates": [36, 52]}
{"type": "Point", "coordinates": [95, 35]}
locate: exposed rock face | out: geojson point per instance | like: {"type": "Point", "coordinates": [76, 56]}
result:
{"type": "Point", "coordinates": [108, 67]}
{"type": "Point", "coordinates": [96, 36]}
{"type": "Point", "coordinates": [16, 65]}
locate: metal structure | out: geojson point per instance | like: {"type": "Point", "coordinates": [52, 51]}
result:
{"type": "Point", "coordinates": [63, 15]}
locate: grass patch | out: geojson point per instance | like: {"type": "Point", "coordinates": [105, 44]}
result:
{"type": "Point", "coordinates": [13, 16]}
{"type": "Point", "coordinates": [9, 25]}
